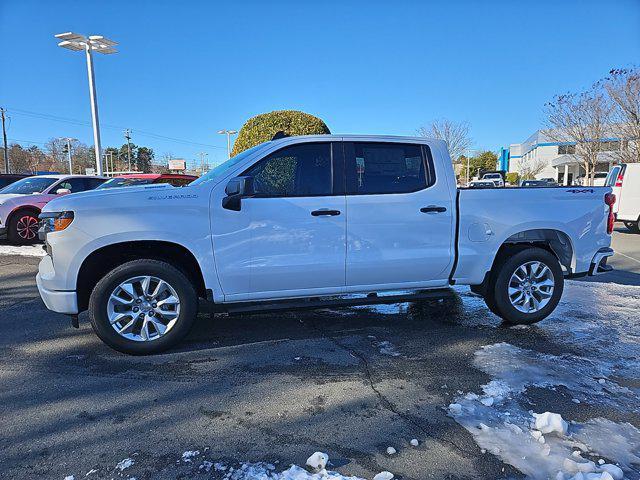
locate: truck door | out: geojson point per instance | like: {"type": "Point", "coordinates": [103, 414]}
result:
{"type": "Point", "coordinates": [289, 239]}
{"type": "Point", "coordinates": [399, 217]}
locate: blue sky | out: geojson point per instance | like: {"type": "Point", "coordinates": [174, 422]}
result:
{"type": "Point", "coordinates": [187, 69]}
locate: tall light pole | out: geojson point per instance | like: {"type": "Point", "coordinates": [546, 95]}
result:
{"type": "Point", "coordinates": [228, 133]}
{"type": "Point", "coordinates": [93, 43]}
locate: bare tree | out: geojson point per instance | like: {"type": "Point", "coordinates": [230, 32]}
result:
{"type": "Point", "coordinates": [584, 119]}
{"type": "Point", "coordinates": [623, 87]}
{"type": "Point", "coordinates": [529, 167]}
{"type": "Point", "coordinates": [455, 134]}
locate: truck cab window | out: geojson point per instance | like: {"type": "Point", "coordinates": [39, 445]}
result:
{"type": "Point", "coordinates": [384, 168]}
{"type": "Point", "coordinates": [297, 171]}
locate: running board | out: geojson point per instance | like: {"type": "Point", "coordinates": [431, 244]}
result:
{"type": "Point", "coordinates": [313, 303]}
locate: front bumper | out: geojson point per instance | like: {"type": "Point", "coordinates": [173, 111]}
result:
{"type": "Point", "coordinates": [61, 301]}
{"type": "Point", "coordinates": [57, 301]}
{"type": "Point", "coordinates": [599, 262]}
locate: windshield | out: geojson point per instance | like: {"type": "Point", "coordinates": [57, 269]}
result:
{"type": "Point", "coordinates": [492, 175]}
{"type": "Point", "coordinates": [125, 182]}
{"type": "Point", "coordinates": [29, 185]}
{"type": "Point", "coordinates": [224, 167]}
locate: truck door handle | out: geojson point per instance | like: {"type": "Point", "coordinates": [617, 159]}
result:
{"type": "Point", "coordinates": [324, 211]}
{"type": "Point", "coordinates": [433, 209]}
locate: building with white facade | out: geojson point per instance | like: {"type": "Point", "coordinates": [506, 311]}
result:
{"type": "Point", "coordinates": [553, 159]}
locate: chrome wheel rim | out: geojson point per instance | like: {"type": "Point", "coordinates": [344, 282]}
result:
{"type": "Point", "coordinates": [27, 227]}
{"type": "Point", "coordinates": [143, 308]}
{"type": "Point", "coordinates": [531, 287]}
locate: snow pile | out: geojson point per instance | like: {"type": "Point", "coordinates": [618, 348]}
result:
{"type": "Point", "coordinates": [318, 461]}
{"type": "Point", "coordinates": [548, 422]}
{"type": "Point", "coordinates": [383, 476]}
{"type": "Point", "coordinates": [543, 445]}
{"type": "Point", "coordinates": [391, 451]}
{"type": "Point", "coordinates": [24, 251]}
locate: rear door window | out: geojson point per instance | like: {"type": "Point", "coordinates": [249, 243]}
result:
{"type": "Point", "coordinates": [384, 168]}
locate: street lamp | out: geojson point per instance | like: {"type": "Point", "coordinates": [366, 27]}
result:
{"type": "Point", "coordinates": [93, 43]}
{"type": "Point", "coordinates": [228, 133]}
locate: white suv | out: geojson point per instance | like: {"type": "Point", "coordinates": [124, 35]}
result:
{"type": "Point", "coordinates": [22, 201]}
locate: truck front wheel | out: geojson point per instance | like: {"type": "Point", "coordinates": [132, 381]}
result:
{"type": "Point", "coordinates": [527, 286]}
{"type": "Point", "coordinates": [143, 306]}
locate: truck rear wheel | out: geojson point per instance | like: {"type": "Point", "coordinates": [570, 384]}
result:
{"type": "Point", "coordinates": [527, 286]}
{"type": "Point", "coordinates": [143, 307]}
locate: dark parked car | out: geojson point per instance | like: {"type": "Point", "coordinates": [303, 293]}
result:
{"type": "Point", "coordinates": [538, 183]}
{"type": "Point", "coordinates": [9, 178]}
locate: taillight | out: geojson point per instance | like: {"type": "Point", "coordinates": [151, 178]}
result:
{"type": "Point", "coordinates": [610, 199]}
{"type": "Point", "coordinates": [619, 179]}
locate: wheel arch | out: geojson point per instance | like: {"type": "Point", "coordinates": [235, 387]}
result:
{"type": "Point", "coordinates": [557, 242]}
{"type": "Point", "coordinates": [102, 260]}
{"type": "Point", "coordinates": [15, 211]}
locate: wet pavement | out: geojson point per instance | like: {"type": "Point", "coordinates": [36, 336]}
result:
{"type": "Point", "coordinates": [276, 388]}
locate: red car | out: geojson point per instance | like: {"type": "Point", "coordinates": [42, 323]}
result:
{"type": "Point", "coordinates": [134, 179]}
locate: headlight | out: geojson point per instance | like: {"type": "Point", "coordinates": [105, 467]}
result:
{"type": "Point", "coordinates": [54, 222]}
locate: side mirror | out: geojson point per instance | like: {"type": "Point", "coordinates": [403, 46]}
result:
{"type": "Point", "coordinates": [236, 189]}
{"type": "Point", "coordinates": [63, 191]}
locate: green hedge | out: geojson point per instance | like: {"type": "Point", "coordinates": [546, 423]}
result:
{"type": "Point", "coordinates": [263, 127]}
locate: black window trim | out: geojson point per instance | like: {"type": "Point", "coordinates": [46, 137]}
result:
{"type": "Point", "coordinates": [427, 161]}
{"type": "Point", "coordinates": [331, 145]}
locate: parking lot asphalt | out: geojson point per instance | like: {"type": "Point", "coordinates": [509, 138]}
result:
{"type": "Point", "coordinates": [275, 388]}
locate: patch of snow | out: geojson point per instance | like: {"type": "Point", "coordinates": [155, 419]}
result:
{"type": "Point", "coordinates": [517, 436]}
{"type": "Point", "coordinates": [318, 461]}
{"type": "Point", "coordinates": [385, 347]}
{"type": "Point", "coordinates": [124, 464]}
{"type": "Point", "coordinates": [93, 470]}
{"type": "Point", "coordinates": [391, 451]}
{"type": "Point", "coordinates": [24, 251]}
{"type": "Point", "coordinates": [189, 455]}
{"type": "Point", "coordinates": [383, 476]}
{"type": "Point", "coordinates": [487, 401]}
{"type": "Point", "coordinates": [414, 442]}
{"type": "Point", "coordinates": [205, 466]}
{"type": "Point", "coordinates": [69, 477]}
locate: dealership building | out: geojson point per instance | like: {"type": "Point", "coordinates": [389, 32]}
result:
{"type": "Point", "coordinates": [557, 159]}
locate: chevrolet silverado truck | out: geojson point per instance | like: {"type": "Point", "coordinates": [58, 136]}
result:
{"type": "Point", "coordinates": [310, 220]}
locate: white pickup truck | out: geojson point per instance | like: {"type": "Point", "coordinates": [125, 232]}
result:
{"type": "Point", "coordinates": [307, 220]}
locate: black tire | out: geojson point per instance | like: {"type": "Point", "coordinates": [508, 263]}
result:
{"type": "Point", "coordinates": [179, 282]}
{"type": "Point", "coordinates": [633, 227]}
{"type": "Point", "coordinates": [16, 232]}
{"type": "Point", "coordinates": [497, 297]}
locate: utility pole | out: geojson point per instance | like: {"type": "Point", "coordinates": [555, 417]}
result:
{"type": "Point", "coordinates": [127, 135]}
{"type": "Point", "coordinates": [69, 155]}
{"type": "Point", "coordinates": [202, 155]}
{"type": "Point", "coordinates": [4, 139]}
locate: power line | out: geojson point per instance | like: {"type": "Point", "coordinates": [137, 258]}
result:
{"type": "Point", "coordinates": [71, 121]}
